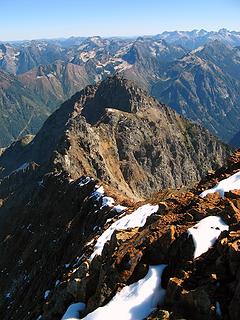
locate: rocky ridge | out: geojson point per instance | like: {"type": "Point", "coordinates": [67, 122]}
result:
{"type": "Point", "coordinates": [65, 201]}
{"type": "Point", "coordinates": [59, 229]}
{"type": "Point", "coordinates": [116, 132]}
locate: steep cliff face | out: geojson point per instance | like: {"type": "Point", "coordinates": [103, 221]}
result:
{"type": "Point", "coordinates": [115, 132]}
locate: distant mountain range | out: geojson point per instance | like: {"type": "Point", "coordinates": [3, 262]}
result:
{"type": "Point", "coordinates": [194, 72]}
{"type": "Point", "coordinates": [195, 38]}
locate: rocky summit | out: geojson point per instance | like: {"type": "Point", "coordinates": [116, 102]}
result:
{"type": "Point", "coordinates": [115, 132]}
{"type": "Point", "coordinates": [102, 213]}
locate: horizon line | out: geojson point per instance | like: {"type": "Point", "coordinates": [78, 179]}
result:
{"type": "Point", "coordinates": [114, 36]}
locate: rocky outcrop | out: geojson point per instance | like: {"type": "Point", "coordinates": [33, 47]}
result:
{"type": "Point", "coordinates": [46, 247]}
{"type": "Point", "coordinates": [115, 132]}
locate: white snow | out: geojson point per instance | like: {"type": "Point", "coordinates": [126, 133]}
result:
{"type": "Point", "coordinates": [206, 232]}
{"type": "Point", "coordinates": [97, 194]}
{"type": "Point", "coordinates": [153, 51]}
{"type": "Point", "coordinates": [84, 180]}
{"type": "Point", "coordinates": [67, 160]}
{"type": "Point", "coordinates": [197, 49]}
{"type": "Point", "coordinates": [231, 183]}
{"type": "Point", "coordinates": [107, 202]}
{"type": "Point", "coordinates": [134, 302]}
{"type": "Point", "coordinates": [89, 242]}
{"type": "Point", "coordinates": [73, 311]}
{"type": "Point", "coordinates": [46, 294]}
{"type": "Point", "coordinates": [109, 220]}
{"type": "Point", "coordinates": [23, 167]}
{"type": "Point", "coordinates": [136, 219]}
{"type": "Point", "coordinates": [57, 283]}
{"type": "Point", "coordinates": [85, 56]}
{"type": "Point", "coordinates": [16, 55]}
{"type": "Point", "coordinates": [50, 75]}
{"type": "Point", "coordinates": [119, 208]}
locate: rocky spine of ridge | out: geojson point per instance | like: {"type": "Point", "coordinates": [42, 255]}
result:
{"type": "Point", "coordinates": [115, 132]}
{"type": "Point", "coordinates": [52, 216]}
{"type": "Point", "coordinates": [46, 246]}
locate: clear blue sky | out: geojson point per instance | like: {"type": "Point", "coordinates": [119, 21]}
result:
{"type": "Point", "coordinates": [32, 19]}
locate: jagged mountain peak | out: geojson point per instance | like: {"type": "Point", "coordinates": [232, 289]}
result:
{"type": "Point", "coordinates": [89, 105]}
{"type": "Point", "coordinates": [116, 93]}
{"type": "Point", "coordinates": [116, 132]}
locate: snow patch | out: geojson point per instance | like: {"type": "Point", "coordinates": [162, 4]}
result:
{"type": "Point", "coordinates": [119, 208]}
{"type": "Point", "coordinates": [73, 311]}
{"type": "Point", "coordinates": [107, 202]}
{"type": "Point", "coordinates": [84, 180]}
{"type": "Point", "coordinates": [85, 56]}
{"type": "Point", "coordinates": [50, 75]}
{"type": "Point", "coordinates": [46, 294]}
{"type": "Point", "coordinates": [98, 193]}
{"type": "Point", "coordinates": [136, 219]}
{"type": "Point", "coordinates": [134, 302]}
{"type": "Point", "coordinates": [89, 242]}
{"type": "Point", "coordinates": [153, 51]}
{"type": "Point", "coordinates": [23, 168]}
{"type": "Point", "coordinates": [197, 49]}
{"type": "Point", "coordinates": [67, 160]}
{"type": "Point", "coordinates": [57, 283]}
{"type": "Point", "coordinates": [205, 233]}
{"type": "Point", "coordinates": [226, 185]}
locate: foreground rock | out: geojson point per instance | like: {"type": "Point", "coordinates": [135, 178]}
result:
{"type": "Point", "coordinates": [45, 252]}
